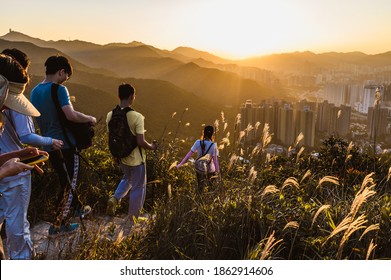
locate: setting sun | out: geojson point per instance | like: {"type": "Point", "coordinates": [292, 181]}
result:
{"type": "Point", "coordinates": [230, 29]}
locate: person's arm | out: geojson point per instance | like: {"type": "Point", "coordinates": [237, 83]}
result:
{"type": "Point", "coordinates": [24, 128]}
{"type": "Point", "coordinates": [76, 116]}
{"type": "Point", "coordinates": [37, 140]}
{"type": "Point", "coordinates": [139, 130]}
{"type": "Point", "coordinates": [215, 157]}
{"type": "Point", "coordinates": [13, 167]}
{"type": "Point", "coordinates": [216, 163]}
{"type": "Point", "coordinates": [67, 108]}
{"type": "Point", "coordinates": [141, 142]}
{"type": "Point", "coordinates": [184, 160]}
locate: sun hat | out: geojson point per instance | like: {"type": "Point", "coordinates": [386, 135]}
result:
{"type": "Point", "coordinates": [3, 90]}
{"type": "Point", "coordinates": [18, 102]}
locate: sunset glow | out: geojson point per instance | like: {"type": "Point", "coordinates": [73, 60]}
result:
{"type": "Point", "coordinates": [232, 29]}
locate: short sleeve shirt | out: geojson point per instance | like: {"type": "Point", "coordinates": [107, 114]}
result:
{"type": "Point", "coordinates": [49, 122]}
{"type": "Point", "coordinates": [136, 125]}
{"type": "Point", "coordinates": [197, 147]}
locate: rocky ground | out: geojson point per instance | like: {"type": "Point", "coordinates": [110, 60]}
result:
{"type": "Point", "coordinates": [58, 247]}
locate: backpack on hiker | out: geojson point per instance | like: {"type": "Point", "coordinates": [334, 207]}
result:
{"type": "Point", "coordinates": [202, 163]}
{"type": "Point", "coordinates": [82, 132]}
{"type": "Point", "coordinates": [121, 140]}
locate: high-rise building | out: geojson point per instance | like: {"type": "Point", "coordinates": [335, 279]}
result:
{"type": "Point", "coordinates": [343, 121]}
{"type": "Point", "coordinates": [340, 121]}
{"type": "Point", "coordinates": [248, 112]}
{"type": "Point", "coordinates": [286, 121]}
{"type": "Point", "coordinates": [323, 116]}
{"type": "Point", "coordinates": [333, 120]}
{"type": "Point", "coordinates": [369, 96]}
{"type": "Point", "coordinates": [286, 125]}
{"type": "Point", "coordinates": [305, 123]}
{"type": "Point", "coordinates": [378, 122]}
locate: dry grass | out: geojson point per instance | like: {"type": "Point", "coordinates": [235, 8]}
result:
{"type": "Point", "coordinates": [291, 181]}
{"type": "Point", "coordinates": [322, 208]}
{"type": "Point", "coordinates": [291, 224]}
{"type": "Point", "coordinates": [306, 175]}
{"type": "Point", "coordinates": [328, 179]}
{"type": "Point", "coordinates": [371, 247]}
{"type": "Point", "coordinates": [361, 197]}
{"type": "Point", "coordinates": [271, 189]}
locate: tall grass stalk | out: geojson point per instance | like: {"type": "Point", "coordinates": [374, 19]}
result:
{"type": "Point", "coordinates": [291, 181]}
{"type": "Point", "coordinates": [368, 229]}
{"type": "Point", "coordinates": [371, 247]}
{"type": "Point", "coordinates": [352, 227]}
{"type": "Point", "coordinates": [271, 189]}
{"type": "Point", "coordinates": [322, 208]}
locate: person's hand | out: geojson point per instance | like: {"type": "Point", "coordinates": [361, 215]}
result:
{"type": "Point", "coordinates": [92, 120]}
{"type": "Point", "coordinates": [30, 152]}
{"type": "Point", "coordinates": [57, 144]}
{"type": "Point", "coordinates": [13, 167]}
{"type": "Point", "coordinates": [154, 145]}
{"type": "Point", "coordinates": [27, 153]}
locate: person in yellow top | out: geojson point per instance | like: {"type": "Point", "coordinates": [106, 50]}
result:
{"type": "Point", "coordinates": [133, 166]}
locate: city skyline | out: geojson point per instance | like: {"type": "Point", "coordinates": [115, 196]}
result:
{"type": "Point", "coordinates": [229, 29]}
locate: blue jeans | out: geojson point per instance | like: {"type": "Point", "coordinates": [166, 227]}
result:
{"type": "Point", "coordinates": [13, 208]}
{"type": "Point", "coordinates": [133, 181]}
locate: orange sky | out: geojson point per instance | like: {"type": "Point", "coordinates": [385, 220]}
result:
{"type": "Point", "coordinates": [232, 29]}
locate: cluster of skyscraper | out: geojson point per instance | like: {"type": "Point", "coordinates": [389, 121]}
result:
{"type": "Point", "coordinates": [287, 120]}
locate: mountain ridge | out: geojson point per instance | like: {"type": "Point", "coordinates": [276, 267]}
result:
{"type": "Point", "coordinates": [96, 94]}
{"type": "Point", "coordinates": [147, 62]}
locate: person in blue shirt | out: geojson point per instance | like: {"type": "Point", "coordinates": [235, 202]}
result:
{"type": "Point", "coordinates": [15, 184]}
{"type": "Point", "coordinates": [59, 70]}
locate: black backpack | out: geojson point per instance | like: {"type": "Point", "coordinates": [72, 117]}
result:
{"type": "Point", "coordinates": [82, 132]}
{"type": "Point", "coordinates": [121, 140]}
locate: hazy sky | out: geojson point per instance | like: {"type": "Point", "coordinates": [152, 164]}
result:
{"type": "Point", "coordinates": [232, 29]}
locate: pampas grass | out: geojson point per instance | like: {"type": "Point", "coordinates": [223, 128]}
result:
{"type": "Point", "coordinates": [371, 247]}
{"type": "Point", "coordinates": [328, 179]}
{"type": "Point", "coordinates": [322, 208]}
{"type": "Point", "coordinates": [264, 249]}
{"type": "Point", "coordinates": [291, 181]}
{"type": "Point", "coordinates": [271, 189]}
{"type": "Point", "coordinates": [291, 224]}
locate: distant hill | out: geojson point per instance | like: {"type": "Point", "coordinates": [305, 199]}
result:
{"type": "Point", "coordinates": [38, 56]}
{"type": "Point", "coordinates": [218, 86]}
{"type": "Point", "coordinates": [157, 100]}
{"type": "Point", "coordinates": [196, 54]}
{"type": "Point", "coordinates": [147, 62]}
{"type": "Point", "coordinates": [309, 62]}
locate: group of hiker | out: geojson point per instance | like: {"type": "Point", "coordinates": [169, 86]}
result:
{"type": "Point", "coordinates": [51, 106]}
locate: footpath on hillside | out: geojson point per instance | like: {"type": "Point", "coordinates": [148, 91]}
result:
{"type": "Point", "coordinates": [61, 246]}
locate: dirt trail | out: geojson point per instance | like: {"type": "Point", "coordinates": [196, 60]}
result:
{"type": "Point", "coordinates": [59, 247]}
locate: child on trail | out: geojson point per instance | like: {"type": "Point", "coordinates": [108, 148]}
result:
{"type": "Point", "coordinates": [205, 146]}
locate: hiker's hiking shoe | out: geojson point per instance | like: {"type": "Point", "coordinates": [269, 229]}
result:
{"type": "Point", "coordinates": [68, 228]}
{"type": "Point", "coordinates": [84, 211]}
{"type": "Point", "coordinates": [111, 206]}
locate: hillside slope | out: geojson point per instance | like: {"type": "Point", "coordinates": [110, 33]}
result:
{"type": "Point", "coordinates": [147, 62]}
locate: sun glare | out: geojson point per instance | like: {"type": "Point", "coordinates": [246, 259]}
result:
{"type": "Point", "coordinates": [232, 29]}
